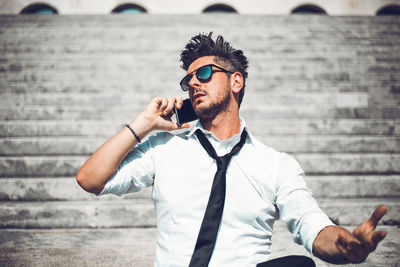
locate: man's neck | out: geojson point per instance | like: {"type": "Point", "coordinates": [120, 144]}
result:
{"type": "Point", "coordinates": [224, 125]}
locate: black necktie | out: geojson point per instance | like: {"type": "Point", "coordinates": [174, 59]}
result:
{"type": "Point", "coordinates": [212, 217]}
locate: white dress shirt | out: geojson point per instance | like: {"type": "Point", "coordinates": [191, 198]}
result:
{"type": "Point", "coordinates": [262, 185]}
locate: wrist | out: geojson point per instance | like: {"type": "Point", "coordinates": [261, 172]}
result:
{"type": "Point", "coordinates": [141, 126]}
{"type": "Point", "coordinates": [138, 139]}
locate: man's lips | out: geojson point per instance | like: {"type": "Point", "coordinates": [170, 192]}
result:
{"type": "Point", "coordinates": [198, 95]}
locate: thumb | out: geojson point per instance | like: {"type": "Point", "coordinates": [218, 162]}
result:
{"type": "Point", "coordinates": [182, 126]}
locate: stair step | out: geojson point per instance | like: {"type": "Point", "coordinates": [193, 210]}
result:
{"type": "Point", "coordinates": [315, 62]}
{"type": "Point", "coordinates": [322, 127]}
{"type": "Point", "coordinates": [49, 146]}
{"type": "Point", "coordinates": [340, 163]}
{"type": "Point", "coordinates": [267, 112]}
{"type": "Point", "coordinates": [255, 86]}
{"type": "Point", "coordinates": [107, 98]}
{"type": "Point", "coordinates": [334, 144]}
{"type": "Point", "coordinates": [40, 166]}
{"type": "Point", "coordinates": [356, 99]}
{"type": "Point", "coordinates": [388, 112]}
{"type": "Point", "coordinates": [78, 247]}
{"type": "Point", "coordinates": [140, 213]}
{"type": "Point", "coordinates": [136, 247]}
{"type": "Point", "coordinates": [258, 126]}
{"type": "Point", "coordinates": [349, 163]}
{"type": "Point", "coordinates": [355, 186]}
{"type": "Point", "coordinates": [77, 214]}
{"type": "Point", "coordinates": [283, 75]}
{"type": "Point", "coordinates": [368, 27]}
{"type": "Point", "coordinates": [168, 83]}
{"type": "Point", "coordinates": [355, 211]}
{"type": "Point", "coordinates": [55, 128]}
{"type": "Point", "coordinates": [291, 144]}
{"type": "Point", "coordinates": [66, 188]}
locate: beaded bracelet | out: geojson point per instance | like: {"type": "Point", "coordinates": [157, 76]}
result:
{"type": "Point", "coordinates": [133, 132]}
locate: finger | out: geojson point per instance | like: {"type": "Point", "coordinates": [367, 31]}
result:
{"type": "Point", "coordinates": [357, 232]}
{"type": "Point", "coordinates": [164, 103]}
{"type": "Point", "coordinates": [357, 249]}
{"type": "Point", "coordinates": [377, 215]}
{"type": "Point", "coordinates": [370, 240]}
{"type": "Point", "coordinates": [349, 241]}
{"type": "Point", "coordinates": [342, 248]}
{"type": "Point", "coordinates": [352, 252]}
{"type": "Point", "coordinates": [185, 125]}
{"type": "Point", "coordinates": [346, 237]}
{"type": "Point", "coordinates": [178, 102]}
{"type": "Point", "coordinates": [346, 253]}
{"type": "Point", "coordinates": [171, 126]}
{"type": "Point", "coordinates": [170, 106]}
{"type": "Point", "coordinates": [364, 233]}
{"type": "Point", "coordinates": [359, 252]}
{"type": "Point", "coordinates": [378, 236]}
{"type": "Point", "coordinates": [182, 126]}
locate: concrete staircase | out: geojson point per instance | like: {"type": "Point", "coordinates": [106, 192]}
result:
{"type": "Point", "coordinates": [324, 89]}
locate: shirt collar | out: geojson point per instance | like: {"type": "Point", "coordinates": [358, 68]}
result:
{"type": "Point", "coordinates": [198, 125]}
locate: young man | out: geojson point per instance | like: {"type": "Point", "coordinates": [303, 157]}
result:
{"type": "Point", "coordinates": [216, 206]}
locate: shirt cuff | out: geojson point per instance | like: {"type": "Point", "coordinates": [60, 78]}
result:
{"type": "Point", "coordinates": [311, 230]}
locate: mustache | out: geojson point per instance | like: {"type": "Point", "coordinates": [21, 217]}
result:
{"type": "Point", "coordinates": [195, 91]}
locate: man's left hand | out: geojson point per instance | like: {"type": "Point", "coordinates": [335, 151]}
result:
{"type": "Point", "coordinates": [356, 246]}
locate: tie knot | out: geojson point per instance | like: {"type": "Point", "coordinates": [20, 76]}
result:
{"type": "Point", "coordinates": [222, 162]}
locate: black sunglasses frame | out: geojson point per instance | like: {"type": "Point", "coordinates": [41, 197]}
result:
{"type": "Point", "coordinates": [186, 87]}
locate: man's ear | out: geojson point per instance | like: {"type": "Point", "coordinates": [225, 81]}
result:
{"type": "Point", "coordinates": [236, 82]}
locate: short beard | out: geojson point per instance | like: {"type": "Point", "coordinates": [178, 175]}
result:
{"type": "Point", "coordinates": [209, 112]}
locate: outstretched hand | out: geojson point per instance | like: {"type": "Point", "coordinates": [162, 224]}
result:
{"type": "Point", "coordinates": [356, 246]}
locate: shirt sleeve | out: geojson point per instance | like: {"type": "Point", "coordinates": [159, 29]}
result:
{"type": "Point", "coordinates": [135, 172]}
{"type": "Point", "coordinates": [296, 205]}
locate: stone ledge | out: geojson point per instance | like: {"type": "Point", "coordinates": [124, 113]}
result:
{"type": "Point", "coordinates": [136, 247]}
{"type": "Point", "coordinates": [66, 188]}
{"type": "Point", "coordinates": [258, 126]}
{"type": "Point", "coordinates": [312, 164]}
{"type": "Point", "coordinates": [141, 213]}
{"type": "Point", "coordinates": [42, 146]}
{"type": "Point", "coordinates": [119, 113]}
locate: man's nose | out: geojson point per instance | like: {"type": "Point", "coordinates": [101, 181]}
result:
{"type": "Point", "coordinates": [194, 82]}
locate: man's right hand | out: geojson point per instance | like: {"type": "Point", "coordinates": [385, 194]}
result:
{"type": "Point", "coordinates": [157, 115]}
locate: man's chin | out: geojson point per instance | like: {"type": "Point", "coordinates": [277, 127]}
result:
{"type": "Point", "coordinates": [206, 112]}
{"type": "Point", "coordinates": [199, 106]}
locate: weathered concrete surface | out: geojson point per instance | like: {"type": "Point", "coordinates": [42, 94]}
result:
{"type": "Point", "coordinates": [260, 126]}
{"type": "Point", "coordinates": [77, 247]}
{"type": "Point", "coordinates": [66, 188]}
{"type": "Point", "coordinates": [136, 247]}
{"type": "Point", "coordinates": [312, 163]}
{"type": "Point", "coordinates": [270, 112]}
{"type": "Point", "coordinates": [140, 213]}
{"type": "Point", "coordinates": [18, 146]}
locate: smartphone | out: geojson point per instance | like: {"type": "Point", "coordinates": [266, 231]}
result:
{"type": "Point", "coordinates": [186, 113]}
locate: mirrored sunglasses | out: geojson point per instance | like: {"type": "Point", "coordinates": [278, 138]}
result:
{"type": "Point", "coordinates": [203, 74]}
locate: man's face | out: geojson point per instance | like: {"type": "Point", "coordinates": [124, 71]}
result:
{"type": "Point", "coordinates": [212, 97]}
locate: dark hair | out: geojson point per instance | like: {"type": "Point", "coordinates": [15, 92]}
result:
{"type": "Point", "coordinates": [203, 45]}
